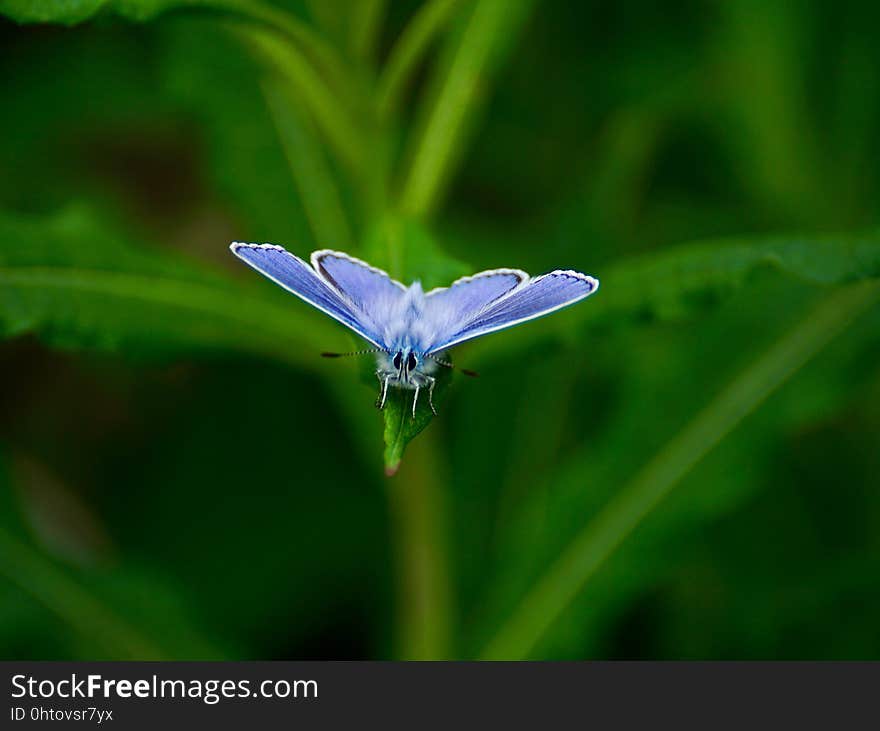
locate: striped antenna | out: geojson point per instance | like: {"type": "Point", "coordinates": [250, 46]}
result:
{"type": "Point", "coordinates": [354, 352]}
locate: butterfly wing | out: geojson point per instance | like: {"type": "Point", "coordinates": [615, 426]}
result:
{"type": "Point", "coordinates": [467, 296]}
{"type": "Point", "coordinates": [369, 289]}
{"type": "Point", "coordinates": [298, 277]}
{"type": "Point", "coordinates": [447, 309]}
{"type": "Point", "coordinates": [531, 299]}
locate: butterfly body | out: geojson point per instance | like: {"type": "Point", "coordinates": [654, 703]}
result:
{"type": "Point", "coordinates": [409, 328]}
{"type": "Point", "coordinates": [405, 326]}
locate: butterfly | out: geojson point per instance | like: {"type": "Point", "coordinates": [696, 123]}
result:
{"type": "Point", "coordinates": [409, 328]}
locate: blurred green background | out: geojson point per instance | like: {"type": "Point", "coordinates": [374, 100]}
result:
{"type": "Point", "coordinates": [684, 466]}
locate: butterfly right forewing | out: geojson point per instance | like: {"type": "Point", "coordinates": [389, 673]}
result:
{"type": "Point", "coordinates": [532, 299]}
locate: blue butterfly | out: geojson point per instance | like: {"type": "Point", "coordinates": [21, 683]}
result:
{"type": "Point", "coordinates": [411, 328]}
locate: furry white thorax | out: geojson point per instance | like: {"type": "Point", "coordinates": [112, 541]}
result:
{"type": "Point", "coordinates": [407, 333]}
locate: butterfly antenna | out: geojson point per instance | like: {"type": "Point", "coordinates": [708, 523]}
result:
{"type": "Point", "coordinates": [447, 364]}
{"type": "Point", "coordinates": [353, 352]}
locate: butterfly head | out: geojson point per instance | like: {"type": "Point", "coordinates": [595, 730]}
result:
{"type": "Point", "coordinates": [404, 367]}
{"type": "Point", "coordinates": [405, 362]}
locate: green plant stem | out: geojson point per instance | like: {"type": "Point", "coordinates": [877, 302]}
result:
{"type": "Point", "coordinates": [310, 171]}
{"type": "Point", "coordinates": [408, 52]}
{"type": "Point", "coordinates": [302, 35]}
{"type": "Point", "coordinates": [331, 117]}
{"type": "Point", "coordinates": [365, 27]}
{"type": "Point", "coordinates": [588, 551]}
{"type": "Point", "coordinates": [417, 504]}
{"type": "Point", "coordinates": [76, 606]}
{"type": "Point", "coordinates": [461, 83]}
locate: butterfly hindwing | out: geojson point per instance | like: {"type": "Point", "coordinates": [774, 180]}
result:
{"type": "Point", "coordinates": [298, 277]}
{"type": "Point", "coordinates": [448, 309]}
{"type": "Point", "coordinates": [532, 299]}
{"type": "Point", "coordinates": [467, 296]}
{"type": "Point", "coordinates": [370, 289]}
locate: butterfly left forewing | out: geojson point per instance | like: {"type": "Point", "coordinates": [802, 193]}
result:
{"type": "Point", "coordinates": [297, 277]}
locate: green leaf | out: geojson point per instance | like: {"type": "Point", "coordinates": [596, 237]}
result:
{"type": "Point", "coordinates": [685, 280]}
{"type": "Point", "coordinates": [73, 282]}
{"type": "Point", "coordinates": [677, 282]}
{"type": "Point", "coordinates": [70, 12]}
{"type": "Point", "coordinates": [401, 427]}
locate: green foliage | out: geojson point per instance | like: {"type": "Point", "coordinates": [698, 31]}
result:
{"type": "Point", "coordinates": [76, 284]}
{"type": "Point", "coordinates": [115, 614]}
{"type": "Point", "coordinates": [410, 252]}
{"type": "Point", "coordinates": [471, 55]}
{"type": "Point", "coordinates": [680, 466]}
{"type": "Point", "coordinates": [684, 280]}
{"type": "Point", "coordinates": [71, 12]}
{"type": "Point", "coordinates": [592, 546]}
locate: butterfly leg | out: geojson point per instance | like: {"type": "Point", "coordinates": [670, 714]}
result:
{"type": "Point", "coordinates": [431, 382]}
{"type": "Point", "coordinates": [383, 394]}
{"type": "Point", "coordinates": [415, 401]}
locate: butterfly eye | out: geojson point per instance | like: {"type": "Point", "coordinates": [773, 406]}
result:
{"type": "Point", "coordinates": [411, 362]}
{"type": "Point", "coordinates": [396, 361]}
